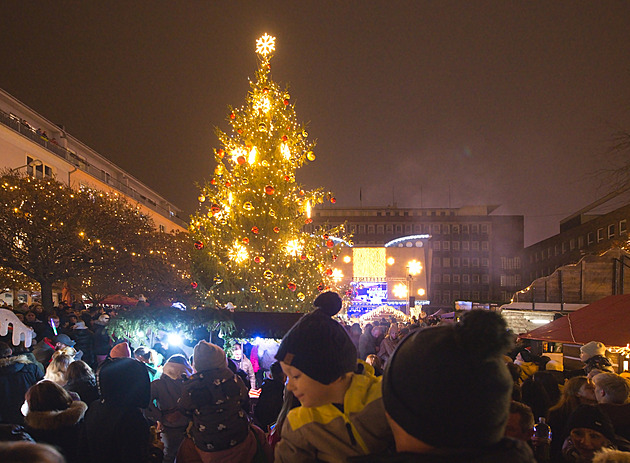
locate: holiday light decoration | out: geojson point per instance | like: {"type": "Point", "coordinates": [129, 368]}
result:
{"type": "Point", "coordinates": [254, 240]}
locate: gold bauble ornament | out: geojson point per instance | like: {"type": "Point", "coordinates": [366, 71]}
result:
{"type": "Point", "coordinates": [301, 297]}
{"type": "Point", "coordinates": [268, 274]}
{"type": "Point", "coordinates": [248, 206]}
{"type": "Point", "coordinates": [253, 289]}
{"type": "Point", "coordinates": [310, 156]}
{"type": "Point", "coordinates": [201, 198]}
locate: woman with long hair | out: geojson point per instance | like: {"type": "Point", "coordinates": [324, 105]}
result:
{"type": "Point", "coordinates": [56, 369]}
{"type": "Point", "coordinates": [81, 379]}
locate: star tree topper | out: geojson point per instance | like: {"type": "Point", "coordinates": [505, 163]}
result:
{"type": "Point", "coordinates": [265, 45]}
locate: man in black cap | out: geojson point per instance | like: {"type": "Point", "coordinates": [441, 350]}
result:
{"type": "Point", "coordinates": [44, 349]}
{"type": "Point", "coordinates": [341, 413]}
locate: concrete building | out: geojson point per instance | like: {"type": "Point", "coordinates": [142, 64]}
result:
{"type": "Point", "coordinates": [471, 254]}
{"type": "Point", "coordinates": [29, 141]}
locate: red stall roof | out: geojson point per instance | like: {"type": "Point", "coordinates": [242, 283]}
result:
{"type": "Point", "coordinates": [606, 320]}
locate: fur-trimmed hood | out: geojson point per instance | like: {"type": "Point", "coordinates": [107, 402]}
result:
{"type": "Point", "coordinates": [13, 360]}
{"type": "Point", "coordinates": [56, 419]}
{"type": "Point", "coordinates": [175, 370]}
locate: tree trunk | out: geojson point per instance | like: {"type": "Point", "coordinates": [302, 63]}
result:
{"type": "Point", "coordinates": [46, 292]}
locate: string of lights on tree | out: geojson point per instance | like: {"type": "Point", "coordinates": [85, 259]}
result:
{"type": "Point", "coordinates": [249, 245]}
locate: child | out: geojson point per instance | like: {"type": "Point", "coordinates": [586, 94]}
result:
{"type": "Point", "coordinates": [341, 412]}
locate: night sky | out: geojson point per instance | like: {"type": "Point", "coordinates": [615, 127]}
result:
{"type": "Point", "coordinates": [418, 103]}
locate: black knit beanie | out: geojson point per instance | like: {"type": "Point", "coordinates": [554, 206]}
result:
{"type": "Point", "coordinates": [317, 345]}
{"type": "Point", "coordinates": [591, 417]}
{"type": "Point", "coordinates": [448, 385]}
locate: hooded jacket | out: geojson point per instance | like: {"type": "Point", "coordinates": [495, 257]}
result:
{"type": "Point", "coordinates": [325, 433]}
{"type": "Point", "coordinates": [115, 428]}
{"type": "Point", "coordinates": [60, 428]}
{"type": "Point", "coordinates": [17, 375]}
{"type": "Point", "coordinates": [165, 392]}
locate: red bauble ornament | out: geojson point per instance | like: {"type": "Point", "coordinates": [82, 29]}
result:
{"type": "Point", "coordinates": [292, 286]}
{"type": "Point", "coordinates": [320, 287]}
{"type": "Point", "coordinates": [303, 257]}
{"type": "Point", "coordinates": [265, 90]}
{"type": "Point", "coordinates": [276, 229]}
{"type": "Point", "coordinates": [215, 208]}
{"type": "Point", "coordinates": [333, 200]}
{"type": "Point", "coordinates": [334, 257]}
{"type": "Point", "coordinates": [328, 271]}
{"type": "Point", "coordinates": [269, 189]}
{"type": "Point", "coordinates": [286, 102]}
{"type": "Point", "coordinates": [213, 182]}
{"type": "Point", "coordinates": [194, 285]}
{"type": "Point", "coordinates": [257, 259]}
{"type": "Point", "coordinates": [240, 130]}
{"type": "Point", "coordinates": [198, 245]}
{"type": "Point", "coordinates": [228, 184]}
{"type": "Point", "coordinates": [307, 221]}
{"type": "Point", "coordinates": [240, 160]}
{"type": "Point", "coordinates": [232, 115]}
{"type": "Point", "coordinates": [246, 240]}
{"type": "Point", "coordinates": [330, 243]}
{"type": "Point", "coordinates": [287, 178]}
{"type": "Point", "coordinates": [255, 230]}
{"type": "Point", "coordinates": [302, 193]}
{"type": "Point", "coordinates": [325, 236]}
{"type": "Point", "coordinates": [284, 138]}
{"type": "Point", "coordinates": [220, 154]}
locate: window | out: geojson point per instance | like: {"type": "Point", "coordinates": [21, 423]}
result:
{"type": "Point", "coordinates": [455, 245]}
{"type": "Point", "coordinates": [556, 250]}
{"type": "Point", "coordinates": [484, 246]}
{"type": "Point", "coordinates": [417, 228]}
{"type": "Point", "coordinates": [484, 228]}
{"type": "Point", "coordinates": [380, 229]}
{"type": "Point", "coordinates": [611, 230]}
{"type": "Point", "coordinates": [475, 245]}
{"type": "Point", "coordinates": [465, 229]}
{"type": "Point", "coordinates": [485, 279]}
{"type": "Point", "coordinates": [455, 261]}
{"type": "Point", "coordinates": [465, 262]}
{"type": "Point", "coordinates": [466, 295]}
{"type": "Point", "coordinates": [465, 279]}
{"type": "Point", "coordinates": [600, 234]}
{"type": "Point", "coordinates": [436, 261]}
{"type": "Point", "coordinates": [623, 227]}
{"type": "Point", "coordinates": [475, 295]}
{"type": "Point", "coordinates": [485, 262]}
{"type": "Point", "coordinates": [446, 229]}
{"type": "Point", "coordinates": [389, 228]}
{"type": "Point", "coordinates": [437, 278]}
{"type": "Point", "coordinates": [162, 229]}
{"type": "Point", "coordinates": [475, 262]}
{"type": "Point", "coordinates": [548, 253]}
{"type": "Point", "coordinates": [456, 278]}
{"type": "Point", "coordinates": [455, 229]}
{"type": "Point", "coordinates": [456, 295]}
{"type": "Point", "coordinates": [437, 295]}
{"type": "Point", "coordinates": [446, 262]}
{"type": "Point", "coordinates": [436, 245]}
{"type": "Point", "coordinates": [590, 238]}
{"type": "Point", "coordinates": [466, 245]}
{"type": "Point", "coordinates": [572, 244]}
{"type": "Point", "coordinates": [446, 245]}
{"type": "Point", "coordinates": [399, 229]}
{"type": "Point", "coordinates": [580, 242]}
{"type": "Point", "coordinates": [446, 296]}
{"type": "Point", "coordinates": [408, 228]}
{"type": "Point", "coordinates": [564, 247]}
{"type": "Point", "coordinates": [475, 278]}
{"type": "Point", "coordinates": [362, 229]}
{"type": "Point", "coordinates": [474, 228]}
{"type": "Point", "coordinates": [370, 229]}
{"type": "Point", "coordinates": [511, 263]}
{"type": "Point", "coordinates": [436, 228]}
{"type": "Point", "coordinates": [446, 278]}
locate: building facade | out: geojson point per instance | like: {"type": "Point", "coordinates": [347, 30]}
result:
{"type": "Point", "coordinates": [31, 142]}
{"type": "Point", "coordinates": [472, 255]}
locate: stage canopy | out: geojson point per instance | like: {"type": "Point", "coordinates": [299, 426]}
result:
{"type": "Point", "coordinates": [606, 320]}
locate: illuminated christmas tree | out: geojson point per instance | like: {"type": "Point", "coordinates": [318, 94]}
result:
{"type": "Point", "coordinates": [250, 247]}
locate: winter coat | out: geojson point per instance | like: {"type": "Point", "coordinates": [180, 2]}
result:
{"type": "Point", "coordinates": [254, 449]}
{"type": "Point", "coordinates": [245, 365]}
{"type": "Point", "coordinates": [102, 341]}
{"type": "Point", "coordinates": [387, 348]}
{"type": "Point", "coordinates": [85, 387]}
{"type": "Point", "coordinates": [165, 392]}
{"type": "Point", "coordinates": [61, 428]}
{"type": "Point", "coordinates": [367, 345]}
{"type": "Point", "coordinates": [215, 399]}
{"type": "Point", "coordinates": [17, 375]}
{"type": "Point", "coordinates": [84, 339]}
{"type": "Point", "coordinates": [115, 428]}
{"type": "Point", "coordinates": [506, 451]}
{"type": "Point", "coordinates": [325, 433]}
{"type": "Point", "coordinates": [269, 403]}
{"type": "Point", "coordinates": [44, 350]}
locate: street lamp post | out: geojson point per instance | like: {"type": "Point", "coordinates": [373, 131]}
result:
{"type": "Point", "coordinates": [33, 163]}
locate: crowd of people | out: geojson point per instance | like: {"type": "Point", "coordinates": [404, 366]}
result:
{"type": "Point", "coordinates": [382, 392]}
